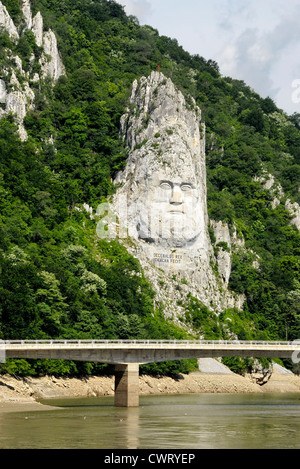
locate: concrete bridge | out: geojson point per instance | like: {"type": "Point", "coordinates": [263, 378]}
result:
{"type": "Point", "coordinates": [127, 355]}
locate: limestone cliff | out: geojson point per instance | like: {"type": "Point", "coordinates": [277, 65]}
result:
{"type": "Point", "coordinates": [51, 63]}
{"type": "Point", "coordinates": [274, 187]}
{"type": "Point", "coordinates": [294, 209]}
{"type": "Point", "coordinates": [16, 85]}
{"type": "Point", "coordinates": [161, 199]}
{"type": "Point", "coordinates": [7, 23]}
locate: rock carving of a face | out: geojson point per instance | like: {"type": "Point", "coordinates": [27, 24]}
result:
{"type": "Point", "coordinates": [164, 179]}
{"type": "Point", "coordinates": [169, 210]}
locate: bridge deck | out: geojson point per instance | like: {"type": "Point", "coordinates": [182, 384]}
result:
{"type": "Point", "coordinates": [146, 351]}
{"type": "Point", "coordinates": [111, 342]}
{"type": "Point", "coordinates": [148, 344]}
{"type": "Point", "coordinates": [127, 355]}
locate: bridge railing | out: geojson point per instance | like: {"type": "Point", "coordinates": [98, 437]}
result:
{"type": "Point", "coordinates": [144, 342]}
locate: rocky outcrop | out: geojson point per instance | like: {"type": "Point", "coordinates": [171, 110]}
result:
{"type": "Point", "coordinates": [223, 248]}
{"type": "Point", "coordinates": [269, 183]}
{"type": "Point", "coordinates": [161, 198]}
{"type": "Point", "coordinates": [38, 29]}
{"type": "Point", "coordinates": [7, 23]}
{"type": "Point", "coordinates": [19, 99]}
{"type": "Point", "coordinates": [54, 67]}
{"type": "Point", "coordinates": [50, 62]}
{"type": "Point", "coordinates": [26, 9]}
{"type": "Point", "coordinates": [18, 102]}
{"type": "Point", "coordinates": [16, 92]}
{"type": "Point", "coordinates": [294, 210]}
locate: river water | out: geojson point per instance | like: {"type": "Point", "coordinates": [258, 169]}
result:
{"type": "Point", "coordinates": [204, 421]}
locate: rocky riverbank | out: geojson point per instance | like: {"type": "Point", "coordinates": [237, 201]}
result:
{"type": "Point", "coordinates": [26, 392]}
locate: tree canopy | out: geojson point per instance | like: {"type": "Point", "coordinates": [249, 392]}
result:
{"type": "Point", "coordinates": [56, 278]}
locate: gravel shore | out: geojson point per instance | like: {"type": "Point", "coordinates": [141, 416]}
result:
{"type": "Point", "coordinates": [24, 393]}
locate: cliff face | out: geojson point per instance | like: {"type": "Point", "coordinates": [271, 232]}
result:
{"type": "Point", "coordinates": [7, 23]}
{"type": "Point", "coordinates": [161, 199]}
{"type": "Point", "coordinates": [277, 194]}
{"type": "Point", "coordinates": [165, 173]}
{"type": "Point", "coordinates": [17, 85]}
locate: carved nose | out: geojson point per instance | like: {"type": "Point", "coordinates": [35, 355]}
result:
{"type": "Point", "coordinates": [176, 197]}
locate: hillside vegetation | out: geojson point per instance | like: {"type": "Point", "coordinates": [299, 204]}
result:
{"type": "Point", "coordinates": [57, 278]}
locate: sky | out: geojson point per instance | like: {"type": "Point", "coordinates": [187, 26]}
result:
{"type": "Point", "coordinates": [257, 41]}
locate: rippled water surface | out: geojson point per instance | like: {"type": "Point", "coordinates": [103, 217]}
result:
{"type": "Point", "coordinates": [204, 421]}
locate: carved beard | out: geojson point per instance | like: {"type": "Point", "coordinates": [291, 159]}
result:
{"type": "Point", "coordinates": [169, 231]}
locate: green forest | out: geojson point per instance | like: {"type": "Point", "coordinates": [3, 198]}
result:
{"type": "Point", "coordinates": [57, 278]}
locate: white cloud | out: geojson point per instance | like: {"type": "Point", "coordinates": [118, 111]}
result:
{"type": "Point", "coordinates": [256, 41]}
{"type": "Point", "coordinates": [266, 59]}
{"type": "Point", "coordinates": [139, 8]}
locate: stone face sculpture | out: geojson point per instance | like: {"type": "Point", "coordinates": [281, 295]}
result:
{"type": "Point", "coordinates": [160, 202]}
{"type": "Point", "coordinates": [163, 188]}
{"type": "Point", "coordinates": [168, 209]}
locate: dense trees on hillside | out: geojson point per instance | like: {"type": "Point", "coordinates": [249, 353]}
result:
{"type": "Point", "coordinates": [56, 278]}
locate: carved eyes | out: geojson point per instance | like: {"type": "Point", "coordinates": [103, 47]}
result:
{"type": "Point", "coordinates": [168, 186]}
{"type": "Point", "coordinates": [165, 185]}
{"type": "Point", "coordinates": [186, 187]}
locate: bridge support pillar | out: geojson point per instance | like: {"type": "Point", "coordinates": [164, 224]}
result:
{"type": "Point", "coordinates": [127, 385]}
